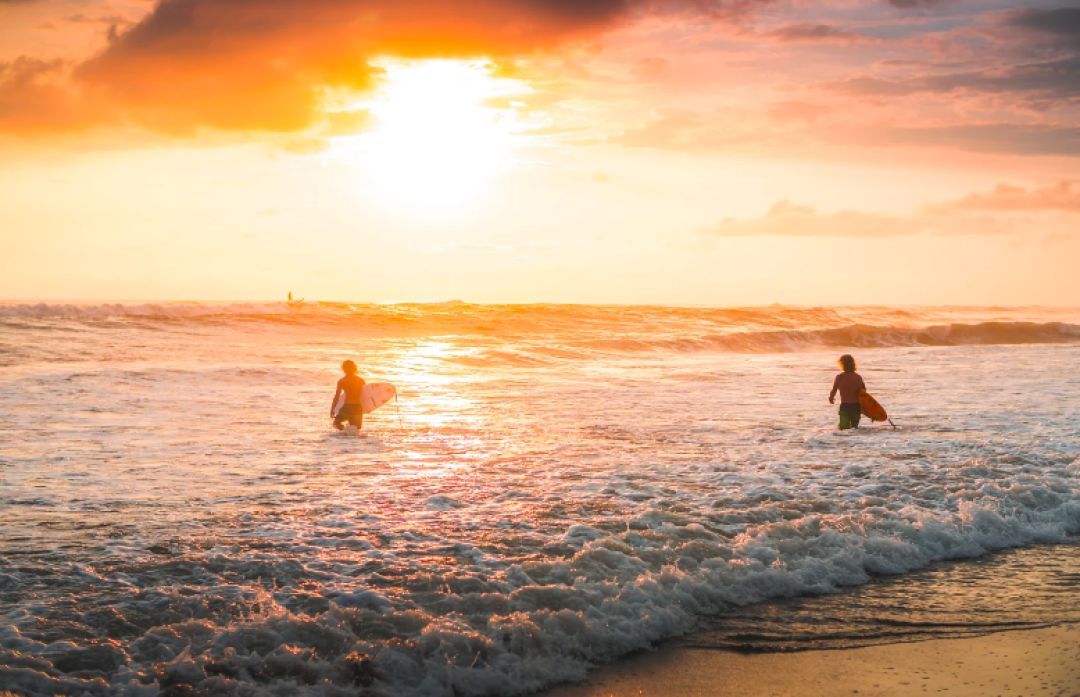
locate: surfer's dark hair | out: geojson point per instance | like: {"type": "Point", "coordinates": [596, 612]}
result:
{"type": "Point", "coordinates": [348, 367]}
{"type": "Point", "coordinates": [847, 362]}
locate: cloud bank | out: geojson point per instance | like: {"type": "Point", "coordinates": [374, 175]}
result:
{"type": "Point", "coordinates": [257, 65]}
{"type": "Point", "coordinates": [906, 73]}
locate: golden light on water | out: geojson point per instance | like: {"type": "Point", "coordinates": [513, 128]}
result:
{"type": "Point", "coordinates": [443, 130]}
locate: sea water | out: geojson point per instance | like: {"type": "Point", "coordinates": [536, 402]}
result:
{"type": "Point", "coordinates": [557, 486]}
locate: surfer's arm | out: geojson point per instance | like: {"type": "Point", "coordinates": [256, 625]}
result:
{"type": "Point", "coordinates": [333, 402]}
{"type": "Point", "coordinates": [835, 387]}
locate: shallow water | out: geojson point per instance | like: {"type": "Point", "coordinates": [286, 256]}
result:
{"type": "Point", "coordinates": [1022, 588]}
{"type": "Point", "coordinates": [556, 487]}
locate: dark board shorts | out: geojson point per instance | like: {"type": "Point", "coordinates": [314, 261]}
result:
{"type": "Point", "coordinates": [352, 413]}
{"type": "Point", "coordinates": [850, 413]}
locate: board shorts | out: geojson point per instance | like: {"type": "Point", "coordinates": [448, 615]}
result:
{"type": "Point", "coordinates": [353, 413]}
{"type": "Point", "coordinates": [850, 413]}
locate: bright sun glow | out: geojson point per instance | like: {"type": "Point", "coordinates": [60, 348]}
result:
{"type": "Point", "coordinates": [443, 129]}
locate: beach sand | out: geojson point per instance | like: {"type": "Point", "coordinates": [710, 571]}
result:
{"type": "Point", "coordinates": [1028, 663]}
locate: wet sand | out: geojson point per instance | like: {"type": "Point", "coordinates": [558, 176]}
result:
{"type": "Point", "coordinates": [1028, 663]}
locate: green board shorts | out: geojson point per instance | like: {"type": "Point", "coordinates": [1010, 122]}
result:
{"type": "Point", "coordinates": [850, 414]}
{"type": "Point", "coordinates": [352, 413]}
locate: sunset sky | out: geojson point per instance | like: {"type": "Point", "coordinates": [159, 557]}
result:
{"type": "Point", "coordinates": [627, 151]}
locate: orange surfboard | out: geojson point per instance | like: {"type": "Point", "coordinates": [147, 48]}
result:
{"type": "Point", "coordinates": [871, 409]}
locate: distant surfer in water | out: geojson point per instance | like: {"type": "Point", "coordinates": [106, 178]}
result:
{"type": "Point", "coordinates": [353, 387]}
{"type": "Point", "coordinates": [850, 385]}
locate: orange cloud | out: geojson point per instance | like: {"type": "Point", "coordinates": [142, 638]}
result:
{"type": "Point", "coordinates": [37, 97]}
{"type": "Point", "coordinates": [256, 65]}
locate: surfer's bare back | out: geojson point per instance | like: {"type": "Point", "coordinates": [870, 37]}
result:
{"type": "Point", "coordinates": [850, 385]}
{"type": "Point", "coordinates": [352, 385]}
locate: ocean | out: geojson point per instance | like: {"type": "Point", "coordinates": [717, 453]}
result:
{"type": "Point", "coordinates": [555, 487]}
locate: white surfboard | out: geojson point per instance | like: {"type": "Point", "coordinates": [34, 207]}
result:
{"type": "Point", "coordinates": [373, 396]}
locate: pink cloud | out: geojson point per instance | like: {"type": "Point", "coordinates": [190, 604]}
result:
{"type": "Point", "coordinates": [1064, 196]}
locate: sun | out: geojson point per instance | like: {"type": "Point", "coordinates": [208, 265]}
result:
{"type": "Point", "coordinates": [443, 129]}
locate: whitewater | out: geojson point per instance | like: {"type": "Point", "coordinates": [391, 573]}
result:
{"type": "Point", "coordinates": [557, 486]}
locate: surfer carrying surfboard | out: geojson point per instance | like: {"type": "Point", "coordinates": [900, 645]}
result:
{"type": "Point", "coordinates": [352, 385]}
{"type": "Point", "coordinates": [850, 385]}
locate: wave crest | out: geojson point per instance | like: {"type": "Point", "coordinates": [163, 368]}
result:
{"type": "Point", "coordinates": [566, 332]}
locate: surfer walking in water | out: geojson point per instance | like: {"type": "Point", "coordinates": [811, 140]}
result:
{"type": "Point", "coordinates": [850, 385]}
{"type": "Point", "coordinates": [352, 385]}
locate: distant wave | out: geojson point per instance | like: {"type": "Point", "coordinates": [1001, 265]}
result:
{"type": "Point", "coordinates": [550, 333]}
{"type": "Point", "coordinates": [160, 311]}
{"type": "Point", "coordinates": [857, 335]}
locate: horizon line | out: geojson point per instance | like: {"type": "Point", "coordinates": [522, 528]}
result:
{"type": "Point", "coordinates": [459, 301]}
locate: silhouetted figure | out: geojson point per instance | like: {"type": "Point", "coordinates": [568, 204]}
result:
{"type": "Point", "coordinates": [850, 385]}
{"type": "Point", "coordinates": [353, 387]}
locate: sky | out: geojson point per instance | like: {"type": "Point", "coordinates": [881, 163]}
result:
{"type": "Point", "coordinates": [700, 152]}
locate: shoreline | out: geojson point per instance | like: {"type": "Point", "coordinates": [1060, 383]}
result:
{"type": "Point", "coordinates": [1042, 662]}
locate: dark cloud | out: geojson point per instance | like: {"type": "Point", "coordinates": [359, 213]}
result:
{"type": "Point", "coordinates": [1062, 20]}
{"type": "Point", "coordinates": [80, 18]}
{"type": "Point", "coordinates": [1056, 78]}
{"type": "Point", "coordinates": [916, 4]}
{"type": "Point", "coordinates": [1016, 139]}
{"type": "Point", "coordinates": [815, 32]}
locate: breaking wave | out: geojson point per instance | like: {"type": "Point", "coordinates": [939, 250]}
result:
{"type": "Point", "coordinates": [583, 330]}
{"type": "Point", "coordinates": [862, 336]}
{"type": "Point", "coordinates": [490, 626]}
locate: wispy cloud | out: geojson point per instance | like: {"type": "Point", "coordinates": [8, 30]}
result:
{"type": "Point", "coordinates": [1058, 78]}
{"type": "Point", "coordinates": [961, 216]}
{"type": "Point", "coordinates": [1063, 196]}
{"type": "Point", "coordinates": [815, 33]}
{"type": "Point", "coordinates": [1002, 138]}
{"type": "Point", "coordinates": [916, 4]}
{"type": "Point", "coordinates": [793, 220]}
